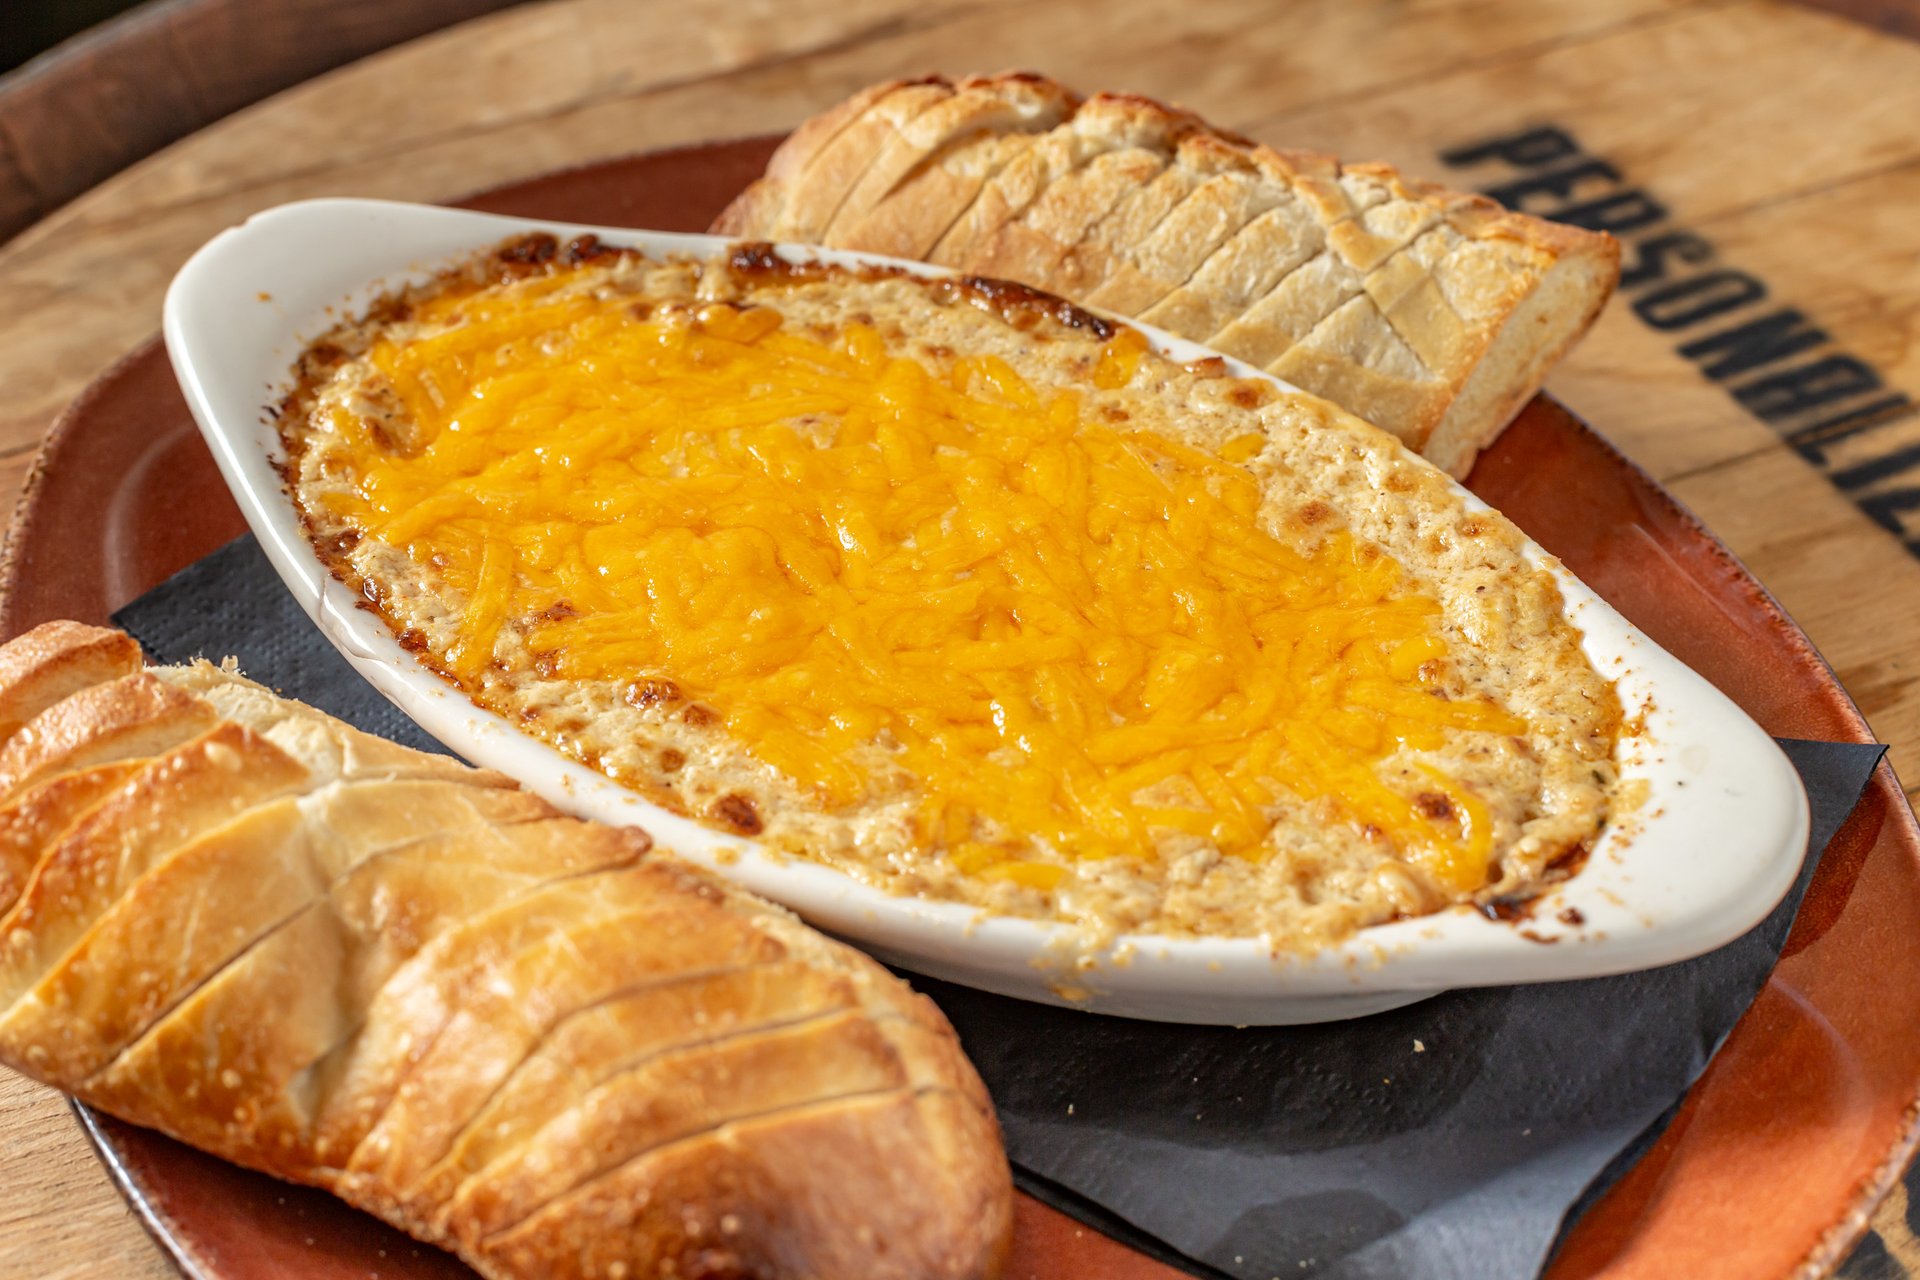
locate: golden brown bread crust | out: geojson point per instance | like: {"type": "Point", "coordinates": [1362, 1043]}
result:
{"type": "Point", "coordinates": [56, 660]}
{"type": "Point", "coordinates": [1433, 314]}
{"type": "Point", "coordinates": [130, 717]}
{"type": "Point", "coordinates": [1112, 145]}
{"type": "Point", "coordinates": [829, 176]}
{"type": "Point", "coordinates": [977, 108]}
{"type": "Point", "coordinates": [921, 174]}
{"type": "Point", "coordinates": [526, 1038]}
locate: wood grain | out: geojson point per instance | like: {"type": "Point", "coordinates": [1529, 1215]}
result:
{"type": "Point", "coordinates": [89, 108]}
{"type": "Point", "coordinates": [62, 1219]}
{"type": "Point", "coordinates": [1782, 135]}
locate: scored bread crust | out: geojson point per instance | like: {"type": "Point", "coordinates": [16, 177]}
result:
{"type": "Point", "coordinates": [528, 1039]}
{"type": "Point", "coordinates": [1226, 192]}
{"type": "Point", "coordinates": [982, 122]}
{"type": "Point", "coordinates": [828, 178]}
{"type": "Point", "coordinates": [1433, 314]}
{"type": "Point", "coordinates": [976, 109]}
{"type": "Point", "coordinates": [1124, 144]}
{"type": "Point", "coordinates": [913, 217]}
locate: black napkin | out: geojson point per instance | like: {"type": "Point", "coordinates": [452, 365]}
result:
{"type": "Point", "coordinates": [1452, 1138]}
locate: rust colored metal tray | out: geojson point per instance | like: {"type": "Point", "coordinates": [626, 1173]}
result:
{"type": "Point", "coordinates": [1775, 1159]}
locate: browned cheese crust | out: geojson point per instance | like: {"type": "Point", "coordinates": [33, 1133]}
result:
{"type": "Point", "coordinates": [1322, 472]}
{"type": "Point", "coordinates": [1432, 314]}
{"type": "Point", "coordinates": [534, 1041]}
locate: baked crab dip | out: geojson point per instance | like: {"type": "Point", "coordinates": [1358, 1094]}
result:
{"type": "Point", "coordinates": [957, 588]}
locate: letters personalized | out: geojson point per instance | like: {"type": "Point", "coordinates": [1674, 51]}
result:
{"type": "Point", "coordinates": [1773, 360]}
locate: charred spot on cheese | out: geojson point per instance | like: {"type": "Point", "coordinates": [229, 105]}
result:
{"type": "Point", "coordinates": [319, 360]}
{"type": "Point", "coordinates": [739, 813]}
{"type": "Point", "coordinates": [527, 253]}
{"type": "Point", "coordinates": [392, 309]}
{"type": "Point", "coordinates": [653, 691]}
{"type": "Point", "coordinates": [587, 248]}
{"type": "Point", "coordinates": [1509, 907]}
{"type": "Point", "coordinates": [758, 259]}
{"type": "Point", "coordinates": [1568, 860]}
{"type": "Point", "coordinates": [999, 603]}
{"type": "Point", "coordinates": [1014, 302]}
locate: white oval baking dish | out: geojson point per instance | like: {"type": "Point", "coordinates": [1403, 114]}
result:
{"type": "Point", "coordinates": [1712, 849]}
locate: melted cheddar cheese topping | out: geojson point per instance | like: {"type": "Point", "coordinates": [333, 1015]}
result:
{"type": "Point", "coordinates": [1056, 628]}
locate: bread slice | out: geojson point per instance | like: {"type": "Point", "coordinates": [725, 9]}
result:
{"type": "Point", "coordinates": [1102, 253]}
{"type": "Point", "coordinates": [1009, 192]}
{"type": "Point", "coordinates": [1433, 314]}
{"type": "Point", "coordinates": [1357, 225]}
{"type": "Point", "coordinates": [1033, 244]}
{"type": "Point", "coordinates": [532, 1040]}
{"type": "Point", "coordinates": [826, 178]}
{"type": "Point", "coordinates": [938, 144]}
{"type": "Point", "coordinates": [1117, 144]}
{"type": "Point", "coordinates": [33, 678]}
{"type": "Point", "coordinates": [977, 108]}
{"type": "Point", "coordinates": [911, 220]}
{"type": "Point", "coordinates": [1240, 272]}
{"type": "Point", "coordinates": [648, 1021]}
{"type": "Point", "coordinates": [1229, 194]}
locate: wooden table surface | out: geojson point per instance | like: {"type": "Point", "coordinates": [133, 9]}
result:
{"type": "Point", "coordinates": [1761, 160]}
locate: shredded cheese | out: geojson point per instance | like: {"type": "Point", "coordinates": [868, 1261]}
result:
{"type": "Point", "coordinates": [1061, 630]}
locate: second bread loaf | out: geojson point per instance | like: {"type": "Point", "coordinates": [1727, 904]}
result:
{"type": "Point", "coordinates": [531, 1040]}
{"type": "Point", "coordinates": [1433, 314]}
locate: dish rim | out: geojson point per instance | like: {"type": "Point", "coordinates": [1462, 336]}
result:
{"type": "Point", "coordinates": [1645, 898]}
